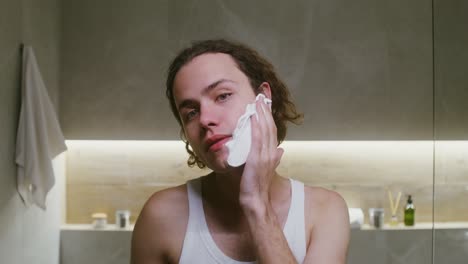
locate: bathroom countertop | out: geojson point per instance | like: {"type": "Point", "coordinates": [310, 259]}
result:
{"type": "Point", "coordinates": [428, 225]}
{"type": "Point", "coordinates": [86, 227]}
{"type": "Point", "coordinates": [85, 244]}
{"type": "Point", "coordinates": [365, 227]}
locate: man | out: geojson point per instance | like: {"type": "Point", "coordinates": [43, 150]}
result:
{"type": "Point", "coordinates": [236, 214]}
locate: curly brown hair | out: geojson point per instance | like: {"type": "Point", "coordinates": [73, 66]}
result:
{"type": "Point", "coordinates": [254, 66]}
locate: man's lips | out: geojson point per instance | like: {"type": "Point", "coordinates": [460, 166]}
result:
{"type": "Point", "coordinates": [216, 142]}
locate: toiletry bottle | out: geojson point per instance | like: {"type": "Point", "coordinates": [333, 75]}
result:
{"type": "Point", "coordinates": [409, 212]}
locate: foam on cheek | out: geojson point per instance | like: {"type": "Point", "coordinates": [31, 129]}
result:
{"type": "Point", "coordinates": [239, 145]}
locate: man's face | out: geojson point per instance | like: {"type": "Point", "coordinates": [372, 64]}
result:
{"type": "Point", "coordinates": [211, 93]}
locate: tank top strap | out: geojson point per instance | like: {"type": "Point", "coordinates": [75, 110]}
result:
{"type": "Point", "coordinates": [192, 237]}
{"type": "Point", "coordinates": [294, 228]}
{"type": "Point", "coordinates": [195, 203]}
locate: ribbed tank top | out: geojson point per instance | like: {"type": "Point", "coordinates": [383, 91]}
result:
{"type": "Point", "coordinates": [199, 246]}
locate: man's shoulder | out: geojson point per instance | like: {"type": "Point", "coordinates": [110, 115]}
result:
{"type": "Point", "coordinates": [322, 196]}
{"type": "Point", "coordinates": [328, 224]}
{"type": "Point", "coordinates": [166, 203]}
{"type": "Point", "coordinates": [160, 229]}
{"type": "Point", "coordinates": [323, 202]}
{"type": "Point", "coordinates": [165, 211]}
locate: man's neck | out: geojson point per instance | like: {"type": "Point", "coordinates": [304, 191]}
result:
{"type": "Point", "coordinates": [220, 193]}
{"type": "Point", "coordinates": [223, 188]}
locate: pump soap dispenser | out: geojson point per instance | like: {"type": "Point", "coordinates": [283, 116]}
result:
{"type": "Point", "coordinates": [409, 212]}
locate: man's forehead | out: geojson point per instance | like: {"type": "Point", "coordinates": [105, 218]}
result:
{"type": "Point", "coordinates": [213, 61]}
{"type": "Point", "coordinates": [206, 69]}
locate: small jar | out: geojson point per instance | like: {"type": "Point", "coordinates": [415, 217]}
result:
{"type": "Point", "coordinates": [376, 217]}
{"type": "Point", "coordinates": [99, 220]}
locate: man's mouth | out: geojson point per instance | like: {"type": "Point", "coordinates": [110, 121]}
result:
{"type": "Point", "coordinates": [216, 142]}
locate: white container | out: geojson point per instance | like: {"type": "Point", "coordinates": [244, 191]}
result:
{"type": "Point", "coordinates": [356, 217]}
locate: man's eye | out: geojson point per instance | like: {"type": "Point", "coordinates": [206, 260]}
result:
{"type": "Point", "coordinates": [190, 115]}
{"type": "Point", "coordinates": [224, 96]}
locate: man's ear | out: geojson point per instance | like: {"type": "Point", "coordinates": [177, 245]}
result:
{"type": "Point", "coordinates": [265, 89]}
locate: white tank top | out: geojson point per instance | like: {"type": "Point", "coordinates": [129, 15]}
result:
{"type": "Point", "coordinates": [199, 246]}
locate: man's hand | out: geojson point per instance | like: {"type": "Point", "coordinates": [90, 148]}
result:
{"type": "Point", "coordinates": [259, 171]}
{"type": "Point", "coordinates": [263, 159]}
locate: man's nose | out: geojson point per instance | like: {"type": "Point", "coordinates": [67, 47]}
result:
{"type": "Point", "coordinates": [209, 117]}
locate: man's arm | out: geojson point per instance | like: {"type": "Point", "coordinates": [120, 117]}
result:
{"type": "Point", "coordinates": [331, 231]}
{"type": "Point", "coordinates": [269, 239]}
{"type": "Point", "coordinates": [160, 228]}
{"type": "Point", "coordinates": [254, 196]}
{"type": "Point", "coordinates": [147, 248]}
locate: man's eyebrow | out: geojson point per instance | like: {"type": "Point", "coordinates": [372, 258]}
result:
{"type": "Point", "coordinates": [206, 90]}
{"type": "Point", "coordinates": [214, 84]}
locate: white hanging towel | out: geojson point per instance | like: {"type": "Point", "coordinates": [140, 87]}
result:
{"type": "Point", "coordinates": [39, 137]}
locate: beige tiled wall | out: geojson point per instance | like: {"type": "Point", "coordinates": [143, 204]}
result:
{"type": "Point", "coordinates": [104, 176]}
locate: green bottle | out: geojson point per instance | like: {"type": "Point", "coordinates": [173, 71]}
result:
{"type": "Point", "coordinates": [409, 212]}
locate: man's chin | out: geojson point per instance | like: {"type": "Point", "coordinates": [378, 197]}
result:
{"type": "Point", "coordinates": [219, 166]}
{"type": "Point", "coordinates": [223, 167]}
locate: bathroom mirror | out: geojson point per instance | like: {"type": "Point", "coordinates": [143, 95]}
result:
{"type": "Point", "coordinates": [361, 72]}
